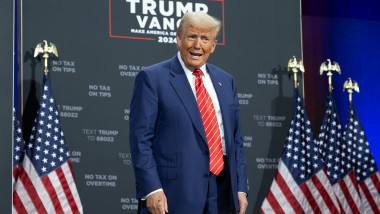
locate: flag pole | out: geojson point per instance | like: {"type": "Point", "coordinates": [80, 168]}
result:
{"type": "Point", "coordinates": [294, 66]}
{"type": "Point", "coordinates": [45, 50]}
{"type": "Point", "coordinates": [349, 84]}
{"type": "Point", "coordinates": [329, 67]}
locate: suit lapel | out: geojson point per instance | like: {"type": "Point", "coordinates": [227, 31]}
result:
{"type": "Point", "coordinates": [219, 85]}
{"type": "Point", "coordinates": [182, 87]}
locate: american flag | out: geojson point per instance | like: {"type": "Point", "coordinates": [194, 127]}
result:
{"type": "Point", "coordinates": [301, 184]}
{"type": "Point", "coordinates": [337, 158]}
{"type": "Point", "coordinates": [46, 182]}
{"type": "Point", "coordinates": [367, 174]}
{"type": "Point", "coordinates": [18, 147]}
{"type": "Point", "coordinates": [18, 152]}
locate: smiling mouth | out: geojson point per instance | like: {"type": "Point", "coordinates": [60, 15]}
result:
{"type": "Point", "coordinates": [195, 55]}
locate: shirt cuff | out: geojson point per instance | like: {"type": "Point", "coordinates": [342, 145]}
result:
{"type": "Point", "coordinates": [244, 193]}
{"type": "Point", "coordinates": [144, 198]}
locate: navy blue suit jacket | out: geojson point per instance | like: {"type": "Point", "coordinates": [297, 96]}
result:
{"type": "Point", "coordinates": [168, 141]}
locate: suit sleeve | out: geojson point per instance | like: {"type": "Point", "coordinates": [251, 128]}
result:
{"type": "Point", "coordinates": [239, 149]}
{"type": "Point", "coordinates": [143, 117]}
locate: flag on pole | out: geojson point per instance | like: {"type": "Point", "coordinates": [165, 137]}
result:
{"type": "Point", "coordinates": [46, 183]}
{"type": "Point", "coordinates": [337, 160]}
{"type": "Point", "coordinates": [366, 171]}
{"type": "Point", "coordinates": [18, 147]}
{"type": "Point", "coordinates": [18, 153]}
{"type": "Point", "coordinates": [301, 184]}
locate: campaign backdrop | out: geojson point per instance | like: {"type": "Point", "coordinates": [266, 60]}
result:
{"type": "Point", "coordinates": [102, 45]}
{"type": "Point", "coordinates": [6, 88]}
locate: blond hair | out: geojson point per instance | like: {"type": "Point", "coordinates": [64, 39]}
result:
{"type": "Point", "coordinates": [200, 20]}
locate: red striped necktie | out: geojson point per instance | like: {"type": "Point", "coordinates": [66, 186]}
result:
{"type": "Point", "coordinates": [210, 124]}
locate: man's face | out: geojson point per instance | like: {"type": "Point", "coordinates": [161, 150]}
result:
{"type": "Point", "coordinates": [195, 45]}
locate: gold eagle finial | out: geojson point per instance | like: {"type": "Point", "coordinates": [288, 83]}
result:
{"type": "Point", "coordinates": [295, 65]}
{"type": "Point", "coordinates": [45, 49]}
{"type": "Point", "coordinates": [350, 85]}
{"type": "Point", "coordinates": [329, 67]}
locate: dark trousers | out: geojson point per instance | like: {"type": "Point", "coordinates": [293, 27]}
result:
{"type": "Point", "coordinates": [219, 198]}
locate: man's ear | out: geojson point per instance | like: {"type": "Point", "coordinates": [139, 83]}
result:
{"type": "Point", "coordinates": [213, 47]}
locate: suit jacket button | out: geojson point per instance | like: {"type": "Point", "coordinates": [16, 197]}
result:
{"type": "Point", "coordinates": [205, 175]}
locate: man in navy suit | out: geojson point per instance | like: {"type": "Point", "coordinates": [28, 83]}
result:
{"type": "Point", "coordinates": [170, 150]}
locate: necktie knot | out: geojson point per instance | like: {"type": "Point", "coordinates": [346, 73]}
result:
{"type": "Point", "coordinates": [197, 72]}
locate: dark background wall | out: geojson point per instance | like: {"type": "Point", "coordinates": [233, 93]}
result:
{"type": "Point", "coordinates": [6, 87]}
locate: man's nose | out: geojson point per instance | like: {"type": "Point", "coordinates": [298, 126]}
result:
{"type": "Point", "coordinates": [197, 43]}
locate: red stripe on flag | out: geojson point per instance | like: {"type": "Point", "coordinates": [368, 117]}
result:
{"type": "Point", "coordinates": [376, 183]}
{"type": "Point", "coordinates": [67, 190]}
{"type": "Point", "coordinates": [31, 190]}
{"type": "Point", "coordinates": [368, 195]}
{"type": "Point", "coordinates": [15, 173]}
{"type": "Point", "coordinates": [18, 205]}
{"type": "Point", "coordinates": [310, 198]}
{"type": "Point", "coordinates": [288, 193]}
{"type": "Point", "coordinates": [347, 195]}
{"type": "Point", "coordinates": [262, 211]}
{"type": "Point", "coordinates": [353, 180]}
{"type": "Point", "coordinates": [324, 194]}
{"type": "Point", "coordinates": [274, 203]}
{"type": "Point", "coordinates": [52, 194]}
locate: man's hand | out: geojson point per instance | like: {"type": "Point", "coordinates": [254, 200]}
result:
{"type": "Point", "coordinates": [243, 203]}
{"type": "Point", "coordinates": [157, 203]}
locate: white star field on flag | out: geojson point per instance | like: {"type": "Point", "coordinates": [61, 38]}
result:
{"type": "Point", "coordinates": [301, 153]}
{"type": "Point", "coordinates": [47, 148]}
{"type": "Point", "coordinates": [362, 158]}
{"type": "Point", "coordinates": [18, 143]}
{"type": "Point", "coordinates": [334, 151]}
